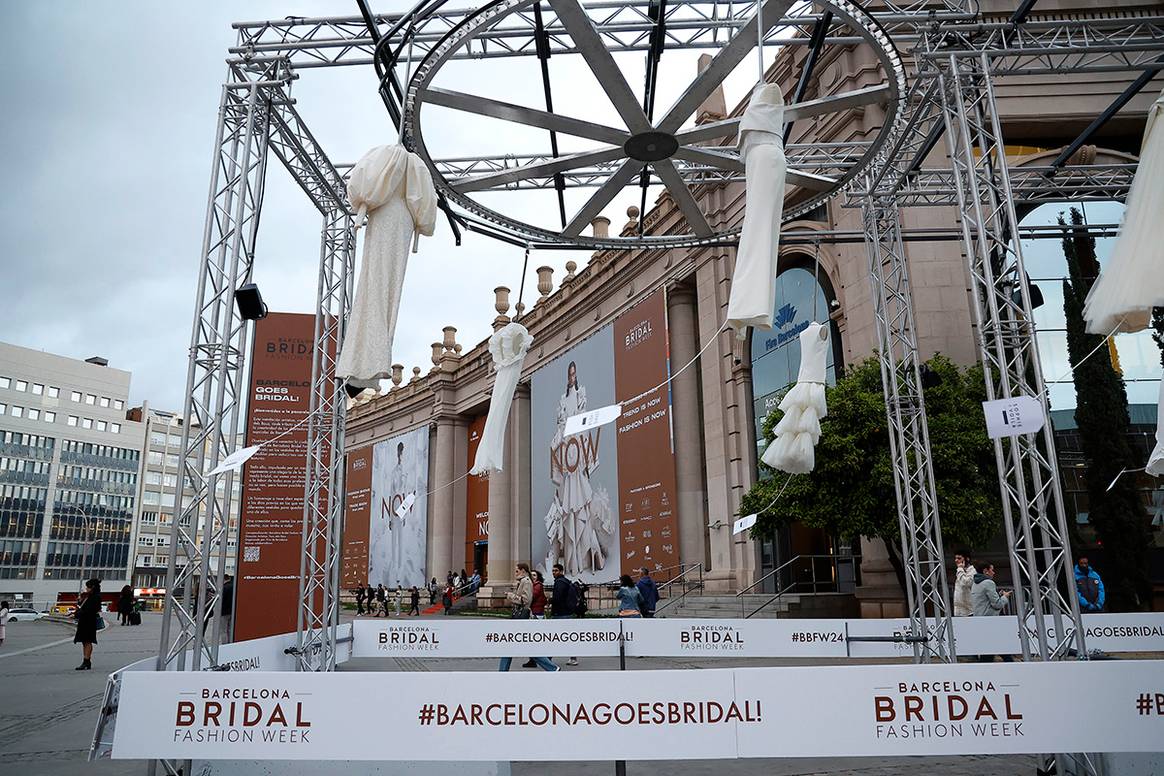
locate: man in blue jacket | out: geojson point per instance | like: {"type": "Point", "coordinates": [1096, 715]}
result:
{"type": "Point", "coordinates": [1088, 586]}
{"type": "Point", "coordinates": [648, 591]}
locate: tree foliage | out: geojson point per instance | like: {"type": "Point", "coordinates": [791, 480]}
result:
{"type": "Point", "coordinates": [1117, 514]}
{"type": "Point", "coordinates": [851, 491]}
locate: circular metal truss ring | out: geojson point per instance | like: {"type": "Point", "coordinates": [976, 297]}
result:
{"type": "Point", "coordinates": [692, 165]}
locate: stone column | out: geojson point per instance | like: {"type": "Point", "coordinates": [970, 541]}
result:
{"type": "Point", "coordinates": [500, 561]}
{"type": "Point", "coordinates": [880, 593]}
{"type": "Point", "coordinates": [687, 427]}
{"type": "Point", "coordinates": [441, 523]}
{"type": "Point", "coordinates": [519, 438]}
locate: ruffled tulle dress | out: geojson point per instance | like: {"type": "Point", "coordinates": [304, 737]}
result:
{"type": "Point", "coordinates": [793, 449]}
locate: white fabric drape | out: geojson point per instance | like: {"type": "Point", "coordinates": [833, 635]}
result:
{"type": "Point", "coordinates": [753, 293]}
{"type": "Point", "coordinates": [394, 189]}
{"type": "Point", "coordinates": [508, 346]}
{"type": "Point", "coordinates": [1132, 283]}
{"type": "Point", "coordinates": [1156, 459]}
{"type": "Point", "coordinates": [797, 432]}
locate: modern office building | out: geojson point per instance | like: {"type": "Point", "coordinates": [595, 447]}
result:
{"type": "Point", "coordinates": [157, 494]}
{"type": "Point", "coordinates": [69, 468]}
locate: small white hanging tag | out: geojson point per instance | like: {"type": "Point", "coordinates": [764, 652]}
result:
{"type": "Point", "coordinates": [576, 424]}
{"type": "Point", "coordinates": [1014, 416]}
{"type": "Point", "coordinates": [234, 461]}
{"type": "Point", "coordinates": [743, 524]}
{"type": "Point", "coordinates": [406, 505]}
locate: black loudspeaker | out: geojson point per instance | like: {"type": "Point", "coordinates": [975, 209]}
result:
{"type": "Point", "coordinates": [250, 302]}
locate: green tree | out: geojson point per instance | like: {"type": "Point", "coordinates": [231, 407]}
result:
{"type": "Point", "coordinates": [1117, 514]}
{"type": "Point", "coordinates": [851, 492]}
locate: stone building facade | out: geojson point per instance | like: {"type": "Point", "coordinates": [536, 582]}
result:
{"type": "Point", "coordinates": [714, 404]}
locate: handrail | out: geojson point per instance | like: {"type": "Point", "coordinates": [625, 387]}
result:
{"type": "Point", "coordinates": [686, 589]}
{"type": "Point", "coordinates": [833, 560]}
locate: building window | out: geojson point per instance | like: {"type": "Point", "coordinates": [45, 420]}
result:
{"type": "Point", "coordinates": [73, 419]}
{"type": "Point", "coordinates": [22, 385]}
{"type": "Point", "coordinates": [5, 382]}
{"type": "Point", "coordinates": [54, 392]}
{"type": "Point", "coordinates": [115, 428]}
{"type": "Point", "coordinates": [33, 413]}
{"type": "Point", "coordinates": [151, 497]}
{"type": "Point", "coordinates": [50, 417]}
{"type": "Point", "coordinates": [38, 389]}
{"type": "Point", "coordinates": [90, 398]}
{"type": "Point", "coordinates": [102, 425]}
{"type": "Point", "coordinates": [18, 412]}
{"type": "Point", "coordinates": [118, 404]}
{"type": "Point", "coordinates": [3, 408]}
{"type": "Point", "coordinates": [172, 460]}
{"type": "Point", "coordinates": [75, 396]}
{"type": "Point", "coordinates": [105, 401]}
{"type": "Point", "coordinates": [176, 440]}
{"type": "Point", "coordinates": [153, 478]}
{"type": "Point", "coordinates": [87, 423]}
{"type": "Point", "coordinates": [158, 439]}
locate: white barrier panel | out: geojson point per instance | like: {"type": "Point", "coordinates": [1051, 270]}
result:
{"type": "Point", "coordinates": [718, 713]}
{"type": "Point", "coordinates": [672, 637]}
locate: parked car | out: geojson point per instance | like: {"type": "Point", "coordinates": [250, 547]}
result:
{"type": "Point", "coordinates": [23, 614]}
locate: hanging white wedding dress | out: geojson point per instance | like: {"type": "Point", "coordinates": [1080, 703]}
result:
{"type": "Point", "coordinates": [508, 346]}
{"type": "Point", "coordinates": [1132, 283]}
{"type": "Point", "coordinates": [394, 189]}
{"type": "Point", "coordinates": [753, 293]}
{"type": "Point", "coordinates": [797, 432]}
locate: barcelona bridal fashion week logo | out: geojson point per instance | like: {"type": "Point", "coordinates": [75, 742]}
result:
{"type": "Point", "coordinates": [977, 709]}
{"type": "Point", "coordinates": [242, 715]}
{"type": "Point", "coordinates": [408, 638]}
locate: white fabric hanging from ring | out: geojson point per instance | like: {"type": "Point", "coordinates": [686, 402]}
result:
{"type": "Point", "coordinates": [1156, 459]}
{"type": "Point", "coordinates": [1132, 283]}
{"type": "Point", "coordinates": [797, 432]}
{"type": "Point", "coordinates": [753, 293]}
{"type": "Point", "coordinates": [394, 189]}
{"type": "Point", "coordinates": [508, 346]}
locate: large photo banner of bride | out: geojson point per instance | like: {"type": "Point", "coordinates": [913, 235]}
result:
{"type": "Point", "coordinates": [603, 501]}
{"type": "Point", "coordinates": [397, 542]}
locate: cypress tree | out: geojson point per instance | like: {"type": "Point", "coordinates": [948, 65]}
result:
{"type": "Point", "coordinates": [1101, 414]}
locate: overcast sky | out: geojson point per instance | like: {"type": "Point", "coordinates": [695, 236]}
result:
{"type": "Point", "coordinates": [107, 131]}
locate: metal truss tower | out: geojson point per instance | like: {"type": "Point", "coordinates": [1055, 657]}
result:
{"type": "Point", "coordinates": [957, 53]}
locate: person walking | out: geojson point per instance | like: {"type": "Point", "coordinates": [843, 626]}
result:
{"type": "Point", "coordinates": [987, 601]}
{"type": "Point", "coordinates": [433, 589]}
{"type": "Point", "coordinates": [520, 598]}
{"type": "Point", "coordinates": [226, 610]}
{"type": "Point", "coordinates": [963, 582]}
{"type": "Point", "coordinates": [359, 601]}
{"type": "Point", "coordinates": [3, 621]}
{"type": "Point", "coordinates": [537, 607]}
{"type": "Point", "coordinates": [630, 600]}
{"type": "Point", "coordinates": [369, 598]}
{"type": "Point", "coordinates": [396, 599]}
{"type": "Point", "coordinates": [562, 603]}
{"type": "Point", "coordinates": [649, 592]}
{"type": "Point", "coordinates": [89, 621]}
{"type": "Point", "coordinates": [1089, 587]}
{"type": "Point", "coordinates": [381, 601]}
{"type": "Point", "coordinates": [124, 605]}
{"type": "Point", "coordinates": [415, 608]}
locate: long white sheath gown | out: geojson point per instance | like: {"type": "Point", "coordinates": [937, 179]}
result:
{"type": "Point", "coordinates": [1132, 283]}
{"type": "Point", "coordinates": [394, 189]}
{"type": "Point", "coordinates": [753, 293]}
{"type": "Point", "coordinates": [508, 346]}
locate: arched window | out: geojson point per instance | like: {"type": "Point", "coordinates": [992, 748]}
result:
{"type": "Point", "coordinates": [803, 295]}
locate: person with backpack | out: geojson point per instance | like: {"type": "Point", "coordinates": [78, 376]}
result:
{"type": "Point", "coordinates": [564, 601]}
{"type": "Point", "coordinates": [1088, 586]}
{"type": "Point", "coordinates": [649, 591]}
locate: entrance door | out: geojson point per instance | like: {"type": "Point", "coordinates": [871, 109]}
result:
{"type": "Point", "coordinates": [480, 558]}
